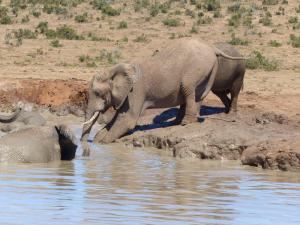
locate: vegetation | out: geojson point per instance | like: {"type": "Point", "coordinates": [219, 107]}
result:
{"type": "Point", "coordinates": [122, 25]}
{"type": "Point", "coordinates": [55, 43]}
{"type": "Point", "coordinates": [83, 18]}
{"type": "Point", "coordinates": [4, 17]}
{"type": "Point", "coordinates": [237, 41]}
{"type": "Point", "coordinates": [295, 41]}
{"type": "Point", "coordinates": [274, 43]}
{"type": "Point", "coordinates": [171, 22]}
{"type": "Point", "coordinates": [258, 61]}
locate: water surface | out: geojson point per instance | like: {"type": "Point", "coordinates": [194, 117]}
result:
{"type": "Point", "coordinates": [121, 186]}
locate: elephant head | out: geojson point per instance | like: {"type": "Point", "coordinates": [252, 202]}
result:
{"type": "Point", "coordinates": [67, 142]}
{"type": "Point", "coordinates": [106, 91]}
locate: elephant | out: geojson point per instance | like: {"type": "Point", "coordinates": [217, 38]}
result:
{"type": "Point", "coordinates": [229, 77]}
{"type": "Point", "coordinates": [181, 74]}
{"type": "Point", "coordinates": [38, 145]}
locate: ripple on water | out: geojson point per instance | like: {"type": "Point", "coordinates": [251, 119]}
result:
{"type": "Point", "coordinates": [121, 186]}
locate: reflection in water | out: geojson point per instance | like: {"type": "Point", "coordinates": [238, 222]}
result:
{"type": "Point", "coordinates": [122, 186]}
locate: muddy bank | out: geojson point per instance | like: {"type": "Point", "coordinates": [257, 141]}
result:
{"type": "Point", "coordinates": [59, 96]}
{"type": "Point", "coordinates": [253, 137]}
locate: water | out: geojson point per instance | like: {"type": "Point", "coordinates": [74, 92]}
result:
{"type": "Point", "coordinates": [121, 186]}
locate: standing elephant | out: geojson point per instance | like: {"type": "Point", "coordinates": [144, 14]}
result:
{"type": "Point", "coordinates": [38, 145]}
{"type": "Point", "coordinates": [230, 76]}
{"type": "Point", "coordinates": [182, 74]}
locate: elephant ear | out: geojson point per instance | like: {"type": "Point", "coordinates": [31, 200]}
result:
{"type": "Point", "coordinates": [122, 82]}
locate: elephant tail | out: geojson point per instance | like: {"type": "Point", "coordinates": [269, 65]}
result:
{"type": "Point", "coordinates": [221, 53]}
{"type": "Point", "coordinates": [211, 80]}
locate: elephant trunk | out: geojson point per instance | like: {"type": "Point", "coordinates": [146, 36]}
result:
{"type": "Point", "coordinates": [10, 118]}
{"type": "Point", "coordinates": [90, 120]}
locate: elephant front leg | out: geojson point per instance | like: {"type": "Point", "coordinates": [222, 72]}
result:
{"type": "Point", "coordinates": [124, 123]}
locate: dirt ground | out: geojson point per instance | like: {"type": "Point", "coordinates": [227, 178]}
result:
{"type": "Point", "coordinates": [266, 131]}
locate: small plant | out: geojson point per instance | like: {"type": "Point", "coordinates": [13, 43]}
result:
{"type": "Point", "coordinates": [235, 20]}
{"type": "Point", "coordinates": [274, 43]}
{"type": "Point", "coordinates": [67, 32]}
{"type": "Point", "coordinates": [258, 61]}
{"type": "Point", "coordinates": [4, 17]}
{"type": "Point", "coordinates": [42, 27]}
{"type": "Point", "coordinates": [217, 14]}
{"type": "Point", "coordinates": [247, 21]}
{"type": "Point", "coordinates": [295, 41]}
{"type": "Point", "coordinates": [285, 2]}
{"type": "Point", "coordinates": [109, 57]}
{"type": "Point", "coordinates": [83, 18]}
{"type": "Point", "coordinates": [204, 20]}
{"type": "Point", "coordinates": [36, 14]}
{"type": "Point", "coordinates": [234, 7]}
{"type": "Point", "coordinates": [270, 2]}
{"type": "Point", "coordinates": [190, 13]}
{"type": "Point", "coordinates": [297, 9]}
{"type": "Point", "coordinates": [110, 11]}
{"type": "Point", "coordinates": [237, 41]}
{"type": "Point", "coordinates": [141, 38]}
{"type": "Point", "coordinates": [55, 43]}
{"type": "Point", "coordinates": [24, 34]}
{"type": "Point", "coordinates": [122, 25]}
{"type": "Point", "coordinates": [293, 19]}
{"type": "Point", "coordinates": [139, 4]}
{"type": "Point", "coordinates": [171, 22]}
{"type": "Point", "coordinates": [266, 20]}
{"type": "Point", "coordinates": [25, 19]}
{"type": "Point", "coordinates": [211, 5]}
{"type": "Point", "coordinates": [50, 34]}
{"type": "Point", "coordinates": [194, 30]}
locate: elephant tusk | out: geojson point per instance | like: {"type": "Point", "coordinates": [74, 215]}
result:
{"type": "Point", "coordinates": [92, 118]}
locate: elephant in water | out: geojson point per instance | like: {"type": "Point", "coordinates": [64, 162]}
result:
{"type": "Point", "coordinates": [181, 74]}
{"type": "Point", "coordinates": [38, 145]}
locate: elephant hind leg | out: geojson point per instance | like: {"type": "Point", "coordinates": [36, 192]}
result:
{"type": "Point", "coordinates": [234, 93]}
{"type": "Point", "coordinates": [224, 98]}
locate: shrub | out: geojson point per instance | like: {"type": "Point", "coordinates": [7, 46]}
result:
{"type": "Point", "coordinates": [110, 11]}
{"type": "Point", "coordinates": [217, 14]}
{"type": "Point", "coordinates": [297, 9]}
{"type": "Point", "coordinates": [141, 38]}
{"type": "Point", "coordinates": [67, 32]}
{"type": "Point", "coordinates": [235, 20]}
{"type": "Point", "coordinates": [270, 2]}
{"type": "Point", "coordinates": [25, 19]}
{"type": "Point", "coordinates": [98, 4]}
{"type": "Point", "coordinates": [139, 4]}
{"type": "Point", "coordinates": [24, 34]}
{"type": "Point", "coordinates": [171, 22]}
{"type": "Point", "coordinates": [266, 20]}
{"type": "Point", "coordinates": [274, 43]}
{"type": "Point", "coordinates": [258, 61]}
{"type": "Point", "coordinates": [247, 21]}
{"type": "Point", "coordinates": [190, 13]}
{"type": "Point", "coordinates": [295, 41]}
{"type": "Point", "coordinates": [55, 43]}
{"type": "Point", "coordinates": [50, 34]}
{"type": "Point", "coordinates": [42, 27]}
{"type": "Point", "coordinates": [5, 20]}
{"type": "Point", "coordinates": [212, 5]}
{"type": "Point", "coordinates": [204, 20]}
{"type": "Point", "coordinates": [83, 18]}
{"type": "Point", "coordinates": [293, 19]}
{"type": "Point", "coordinates": [234, 7]}
{"type": "Point", "coordinates": [111, 57]}
{"type": "Point", "coordinates": [237, 41]}
{"type": "Point", "coordinates": [194, 30]}
{"type": "Point", "coordinates": [122, 25]}
{"type": "Point", "coordinates": [36, 14]}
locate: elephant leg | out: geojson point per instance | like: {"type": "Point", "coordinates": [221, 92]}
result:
{"type": "Point", "coordinates": [224, 98]}
{"type": "Point", "coordinates": [191, 114]}
{"type": "Point", "coordinates": [234, 93]}
{"type": "Point", "coordinates": [180, 114]}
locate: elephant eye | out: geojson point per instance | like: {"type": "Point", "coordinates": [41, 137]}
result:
{"type": "Point", "coordinates": [97, 93]}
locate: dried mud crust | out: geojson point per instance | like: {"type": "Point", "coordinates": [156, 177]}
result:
{"type": "Point", "coordinates": [256, 138]}
{"type": "Point", "coordinates": [61, 96]}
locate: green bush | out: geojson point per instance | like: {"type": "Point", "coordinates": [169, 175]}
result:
{"type": "Point", "coordinates": [42, 27]}
{"type": "Point", "coordinates": [50, 34]}
{"type": "Point", "coordinates": [274, 43]}
{"type": "Point", "coordinates": [122, 25]}
{"type": "Point", "coordinates": [194, 30]}
{"type": "Point", "coordinates": [109, 57]}
{"type": "Point", "coordinates": [237, 41]}
{"type": "Point", "coordinates": [36, 14]}
{"type": "Point", "coordinates": [67, 32]}
{"type": "Point", "coordinates": [141, 38]}
{"type": "Point", "coordinates": [55, 43]}
{"type": "Point", "coordinates": [83, 18]}
{"type": "Point", "coordinates": [293, 19]}
{"type": "Point", "coordinates": [139, 4]}
{"type": "Point", "coordinates": [4, 18]}
{"type": "Point", "coordinates": [98, 4]}
{"type": "Point", "coordinates": [295, 41]}
{"type": "Point", "coordinates": [204, 20]}
{"type": "Point", "coordinates": [297, 9]}
{"type": "Point", "coordinates": [211, 5]}
{"type": "Point", "coordinates": [270, 2]}
{"type": "Point", "coordinates": [24, 34]}
{"type": "Point", "coordinates": [25, 19]}
{"type": "Point", "coordinates": [258, 61]}
{"type": "Point", "coordinates": [235, 20]}
{"type": "Point", "coordinates": [266, 20]}
{"type": "Point", "coordinates": [171, 22]}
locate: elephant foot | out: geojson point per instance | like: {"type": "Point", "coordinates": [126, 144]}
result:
{"type": "Point", "coordinates": [189, 119]}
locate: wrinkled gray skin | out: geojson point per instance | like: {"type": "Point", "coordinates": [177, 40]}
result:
{"type": "Point", "coordinates": [181, 74]}
{"type": "Point", "coordinates": [230, 76]}
{"type": "Point", "coordinates": [38, 145]}
{"type": "Point", "coordinates": [22, 119]}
